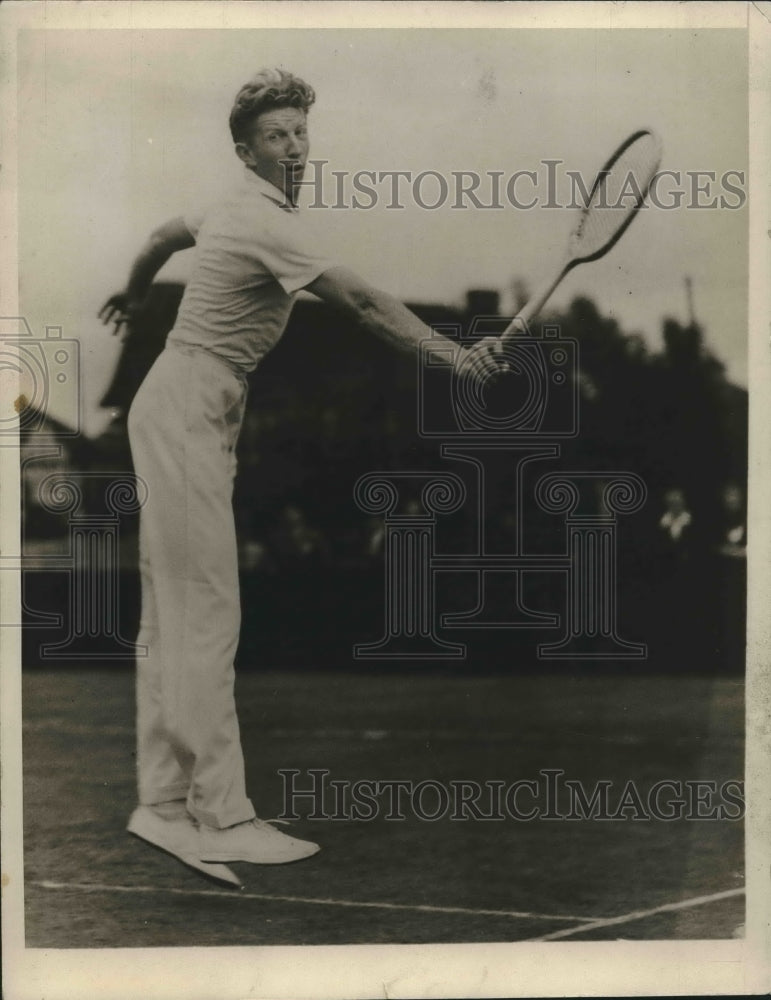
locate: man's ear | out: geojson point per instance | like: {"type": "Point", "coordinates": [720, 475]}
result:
{"type": "Point", "coordinates": [244, 153]}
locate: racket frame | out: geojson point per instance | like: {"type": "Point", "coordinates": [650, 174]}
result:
{"type": "Point", "coordinates": [519, 325]}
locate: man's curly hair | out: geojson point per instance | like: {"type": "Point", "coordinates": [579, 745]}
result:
{"type": "Point", "coordinates": [268, 89]}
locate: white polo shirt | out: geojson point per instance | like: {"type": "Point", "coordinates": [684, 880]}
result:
{"type": "Point", "coordinates": [253, 252]}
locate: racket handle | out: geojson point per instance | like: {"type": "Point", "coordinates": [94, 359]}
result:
{"type": "Point", "coordinates": [533, 306]}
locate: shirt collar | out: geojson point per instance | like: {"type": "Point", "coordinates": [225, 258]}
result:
{"type": "Point", "coordinates": [268, 190]}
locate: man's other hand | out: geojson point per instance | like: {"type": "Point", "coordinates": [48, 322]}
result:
{"type": "Point", "coordinates": [119, 310]}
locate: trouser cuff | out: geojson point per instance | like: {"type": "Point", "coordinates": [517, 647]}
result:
{"type": "Point", "coordinates": [168, 793]}
{"type": "Point", "coordinates": [221, 821]}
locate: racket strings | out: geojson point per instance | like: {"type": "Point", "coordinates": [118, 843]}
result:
{"type": "Point", "coordinates": [617, 193]}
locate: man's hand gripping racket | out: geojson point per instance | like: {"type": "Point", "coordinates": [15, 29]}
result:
{"type": "Point", "coordinates": [617, 194]}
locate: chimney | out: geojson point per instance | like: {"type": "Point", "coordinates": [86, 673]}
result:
{"type": "Point", "coordinates": [482, 302]}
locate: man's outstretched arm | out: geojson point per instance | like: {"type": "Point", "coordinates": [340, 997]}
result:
{"type": "Point", "coordinates": [386, 317]}
{"type": "Point", "coordinates": [162, 243]}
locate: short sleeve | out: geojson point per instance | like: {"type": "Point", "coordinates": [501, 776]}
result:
{"type": "Point", "coordinates": [295, 251]}
{"type": "Point", "coordinates": [193, 221]}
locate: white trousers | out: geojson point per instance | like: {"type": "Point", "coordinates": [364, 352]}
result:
{"type": "Point", "coordinates": [183, 428]}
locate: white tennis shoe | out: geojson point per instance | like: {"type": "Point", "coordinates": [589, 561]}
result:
{"type": "Point", "coordinates": [178, 836]}
{"type": "Point", "coordinates": [255, 841]}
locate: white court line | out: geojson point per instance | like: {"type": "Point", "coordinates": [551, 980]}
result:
{"type": "Point", "coordinates": [369, 735]}
{"type": "Point", "coordinates": [99, 887]}
{"type": "Point", "coordinates": [627, 918]}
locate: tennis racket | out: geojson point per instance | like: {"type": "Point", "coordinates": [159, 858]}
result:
{"type": "Point", "coordinates": [617, 194]}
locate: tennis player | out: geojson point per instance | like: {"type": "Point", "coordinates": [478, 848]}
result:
{"type": "Point", "coordinates": [253, 253]}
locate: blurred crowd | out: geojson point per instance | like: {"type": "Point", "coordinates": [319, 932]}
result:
{"type": "Point", "coordinates": [673, 542]}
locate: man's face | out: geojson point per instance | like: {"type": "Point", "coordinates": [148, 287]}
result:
{"type": "Point", "coordinates": [277, 148]}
